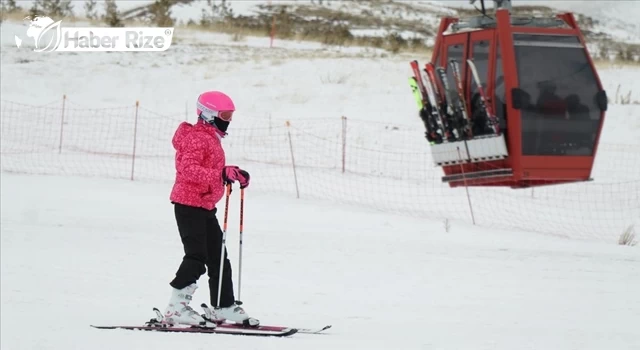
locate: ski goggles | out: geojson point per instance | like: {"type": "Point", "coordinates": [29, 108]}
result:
{"type": "Point", "coordinates": [224, 115]}
{"type": "Point", "coordinates": [208, 114]}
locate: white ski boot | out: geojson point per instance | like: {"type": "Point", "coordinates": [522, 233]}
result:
{"type": "Point", "coordinates": [178, 312]}
{"type": "Point", "coordinates": [234, 313]}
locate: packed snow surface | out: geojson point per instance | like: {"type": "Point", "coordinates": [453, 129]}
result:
{"type": "Point", "coordinates": [81, 251]}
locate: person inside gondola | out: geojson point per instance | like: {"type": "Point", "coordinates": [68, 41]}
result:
{"type": "Point", "coordinates": [551, 108]}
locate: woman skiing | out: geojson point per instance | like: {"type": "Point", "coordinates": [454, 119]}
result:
{"type": "Point", "coordinates": [201, 176]}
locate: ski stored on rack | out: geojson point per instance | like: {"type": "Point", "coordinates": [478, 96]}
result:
{"type": "Point", "coordinates": [435, 107]}
{"type": "Point", "coordinates": [492, 120]}
{"type": "Point", "coordinates": [420, 91]}
{"type": "Point", "coordinates": [461, 103]}
{"type": "Point", "coordinates": [439, 98]}
{"type": "Point", "coordinates": [454, 108]}
{"type": "Point", "coordinates": [438, 88]}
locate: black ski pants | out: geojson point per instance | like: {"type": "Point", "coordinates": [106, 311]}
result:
{"type": "Point", "coordinates": [202, 241]}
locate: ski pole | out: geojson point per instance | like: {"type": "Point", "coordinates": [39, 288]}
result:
{"type": "Point", "coordinates": [240, 255]}
{"type": "Point", "coordinates": [224, 239]}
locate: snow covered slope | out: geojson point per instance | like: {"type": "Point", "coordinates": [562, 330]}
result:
{"type": "Point", "coordinates": [313, 86]}
{"type": "Point", "coordinates": [78, 251]}
{"type": "Point", "coordinates": [293, 80]}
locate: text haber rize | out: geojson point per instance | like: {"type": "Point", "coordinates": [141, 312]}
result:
{"type": "Point", "coordinates": [133, 39]}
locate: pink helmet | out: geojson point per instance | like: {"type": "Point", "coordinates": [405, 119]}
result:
{"type": "Point", "coordinates": [212, 104]}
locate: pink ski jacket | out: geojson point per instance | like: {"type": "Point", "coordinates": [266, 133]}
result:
{"type": "Point", "coordinates": [199, 162]}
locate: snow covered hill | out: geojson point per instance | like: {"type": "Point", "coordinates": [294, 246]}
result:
{"type": "Point", "coordinates": [616, 20]}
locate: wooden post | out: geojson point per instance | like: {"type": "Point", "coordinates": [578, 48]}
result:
{"type": "Point", "coordinates": [135, 136]}
{"type": "Point", "coordinates": [273, 26]}
{"type": "Point", "coordinates": [344, 143]}
{"type": "Point", "coordinates": [64, 100]}
{"type": "Point", "coordinates": [273, 30]}
{"type": "Point", "coordinates": [464, 178]}
{"type": "Point", "coordinates": [293, 160]}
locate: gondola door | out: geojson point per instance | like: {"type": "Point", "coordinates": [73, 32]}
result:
{"type": "Point", "coordinates": [482, 51]}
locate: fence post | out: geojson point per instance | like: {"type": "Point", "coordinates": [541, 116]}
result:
{"type": "Point", "coordinates": [344, 143]}
{"type": "Point", "coordinates": [64, 100]}
{"type": "Point", "coordinates": [464, 178]}
{"type": "Point", "coordinates": [273, 30]}
{"type": "Point", "coordinates": [135, 136]}
{"type": "Point", "coordinates": [293, 160]}
{"type": "Point", "coordinates": [273, 26]}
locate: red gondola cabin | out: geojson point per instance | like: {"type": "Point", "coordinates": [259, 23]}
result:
{"type": "Point", "coordinates": [544, 91]}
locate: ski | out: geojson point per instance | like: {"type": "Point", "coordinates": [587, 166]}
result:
{"type": "Point", "coordinates": [208, 316]}
{"type": "Point", "coordinates": [492, 120]}
{"type": "Point", "coordinates": [415, 90]}
{"type": "Point", "coordinates": [440, 94]}
{"type": "Point", "coordinates": [453, 105]}
{"type": "Point", "coordinates": [438, 88]}
{"type": "Point", "coordinates": [313, 330]}
{"type": "Point", "coordinates": [156, 324]}
{"type": "Point", "coordinates": [298, 330]}
{"type": "Point", "coordinates": [263, 331]}
{"type": "Point", "coordinates": [274, 328]}
{"type": "Point", "coordinates": [434, 107]}
{"type": "Point", "coordinates": [416, 73]}
{"type": "Point", "coordinates": [426, 115]}
{"type": "Point", "coordinates": [424, 108]}
{"type": "Point", "coordinates": [462, 104]}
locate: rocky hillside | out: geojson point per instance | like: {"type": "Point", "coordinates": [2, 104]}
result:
{"type": "Point", "coordinates": [392, 25]}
